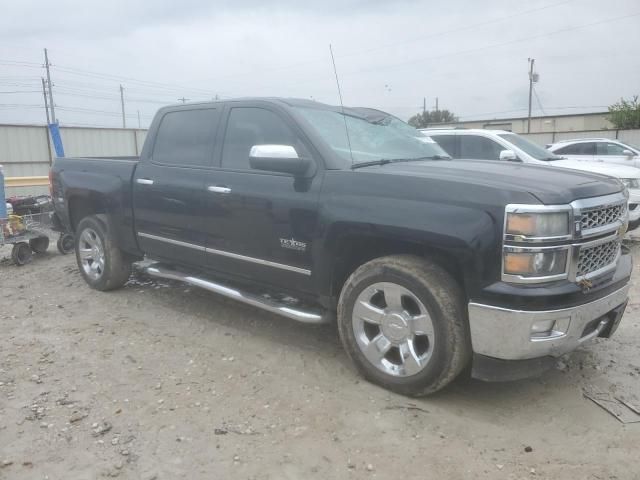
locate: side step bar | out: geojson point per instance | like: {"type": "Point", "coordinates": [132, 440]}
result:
{"type": "Point", "coordinates": [311, 316]}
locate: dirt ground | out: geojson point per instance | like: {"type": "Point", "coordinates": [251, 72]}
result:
{"type": "Point", "coordinates": [160, 381]}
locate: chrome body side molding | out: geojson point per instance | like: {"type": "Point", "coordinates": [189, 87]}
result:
{"type": "Point", "coordinates": [213, 251]}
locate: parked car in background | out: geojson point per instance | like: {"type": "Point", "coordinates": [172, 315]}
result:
{"type": "Point", "coordinates": [429, 266]}
{"type": "Point", "coordinates": [484, 144]}
{"type": "Point", "coordinates": [599, 150]}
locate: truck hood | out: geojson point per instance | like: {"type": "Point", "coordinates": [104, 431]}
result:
{"type": "Point", "coordinates": [611, 169]}
{"type": "Point", "coordinates": [549, 185]}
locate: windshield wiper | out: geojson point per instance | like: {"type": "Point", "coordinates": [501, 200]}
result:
{"type": "Point", "coordinates": [384, 161]}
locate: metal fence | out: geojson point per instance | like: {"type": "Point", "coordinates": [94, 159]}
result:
{"type": "Point", "coordinates": [627, 136]}
{"type": "Point", "coordinates": [26, 150]}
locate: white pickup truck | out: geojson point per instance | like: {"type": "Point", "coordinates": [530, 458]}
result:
{"type": "Point", "coordinates": [484, 144]}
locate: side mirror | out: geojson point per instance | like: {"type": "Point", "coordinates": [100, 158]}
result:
{"type": "Point", "coordinates": [508, 155]}
{"type": "Point", "coordinates": [628, 153]}
{"type": "Point", "coordinates": [278, 158]}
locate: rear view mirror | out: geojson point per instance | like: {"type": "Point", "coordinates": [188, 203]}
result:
{"type": "Point", "coordinates": [628, 153]}
{"type": "Point", "coordinates": [277, 158]}
{"type": "Point", "coordinates": [508, 155]}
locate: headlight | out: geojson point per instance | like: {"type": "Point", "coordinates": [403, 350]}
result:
{"type": "Point", "coordinates": [547, 224]}
{"type": "Point", "coordinates": [631, 182]}
{"type": "Point", "coordinates": [535, 264]}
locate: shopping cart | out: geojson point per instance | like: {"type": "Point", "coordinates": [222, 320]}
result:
{"type": "Point", "coordinates": [29, 233]}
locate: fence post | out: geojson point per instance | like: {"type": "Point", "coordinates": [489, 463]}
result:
{"type": "Point", "coordinates": [135, 141]}
{"type": "Point", "coordinates": [46, 139]}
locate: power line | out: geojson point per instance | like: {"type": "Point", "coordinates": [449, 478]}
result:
{"type": "Point", "coordinates": [535, 94]}
{"type": "Point", "coordinates": [495, 45]}
{"type": "Point", "coordinates": [415, 39]}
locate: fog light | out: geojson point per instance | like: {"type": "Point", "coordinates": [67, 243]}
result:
{"type": "Point", "coordinates": [549, 329]}
{"type": "Point", "coordinates": [543, 326]}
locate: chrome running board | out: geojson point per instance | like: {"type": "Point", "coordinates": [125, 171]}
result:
{"type": "Point", "coordinates": [270, 305]}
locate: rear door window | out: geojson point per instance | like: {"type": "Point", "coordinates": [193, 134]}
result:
{"type": "Point", "coordinates": [186, 137]}
{"type": "Point", "coordinates": [481, 148]}
{"type": "Point", "coordinates": [584, 148]}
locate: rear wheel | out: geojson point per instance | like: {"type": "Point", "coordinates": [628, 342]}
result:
{"type": "Point", "coordinates": [21, 254]}
{"type": "Point", "coordinates": [103, 265]}
{"type": "Point", "coordinates": [402, 321]}
{"type": "Point", "coordinates": [39, 245]}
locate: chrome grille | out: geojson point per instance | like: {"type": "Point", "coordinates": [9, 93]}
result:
{"type": "Point", "coordinates": [601, 216]}
{"type": "Point", "coordinates": [592, 259]}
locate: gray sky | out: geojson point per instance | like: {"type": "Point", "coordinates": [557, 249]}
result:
{"type": "Point", "coordinates": [389, 54]}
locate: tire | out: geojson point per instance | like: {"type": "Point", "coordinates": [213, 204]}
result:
{"type": "Point", "coordinates": [21, 254]}
{"type": "Point", "coordinates": [103, 265]}
{"type": "Point", "coordinates": [419, 309]}
{"type": "Point", "coordinates": [39, 245]}
{"type": "Point", "coordinates": [65, 243]}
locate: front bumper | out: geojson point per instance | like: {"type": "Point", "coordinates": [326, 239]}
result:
{"type": "Point", "coordinates": [508, 334]}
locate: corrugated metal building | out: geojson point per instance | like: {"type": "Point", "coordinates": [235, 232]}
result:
{"type": "Point", "coordinates": [25, 150]}
{"type": "Point", "coordinates": [549, 123]}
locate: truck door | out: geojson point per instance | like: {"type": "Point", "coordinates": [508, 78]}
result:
{"type": "Point", "coordinates": [168, 185]}
{"type": "Point", "coordinates": [261, 225]}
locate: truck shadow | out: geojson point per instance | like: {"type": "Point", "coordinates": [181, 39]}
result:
{"type": "Point", "coordinates": [322, 341]}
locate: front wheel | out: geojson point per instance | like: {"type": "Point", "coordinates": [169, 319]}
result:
{"type": "Point", "coordinates": [103, 265]}
{"type": "Point", "coordinates": [402, 321]}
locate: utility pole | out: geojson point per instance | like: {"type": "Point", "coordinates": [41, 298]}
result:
{"type": "Point", "coordinates": [46, 65]}
{"type": "Point", "coordinates": [139, 125]}
{"type": "Point", "coordinates": [124, 121]}
{"type": "Point", "coordinates": [185, 100]}
{"type": "Point", "coordinates": [531, 62]}
{"type": "Point", "coordinates": [46, 103]}
{"type": "Point", "coordinates": [424, 105]}
{"type": "Point", "coordinates": [436, 104]}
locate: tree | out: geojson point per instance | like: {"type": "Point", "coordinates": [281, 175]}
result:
{"type": "Point", "coordinates": [426, 118]}
{"type": "Point", "coordinates": [625, 113]}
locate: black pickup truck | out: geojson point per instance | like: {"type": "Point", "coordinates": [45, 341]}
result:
{"type": "Point", "coordinates": [315, 213]}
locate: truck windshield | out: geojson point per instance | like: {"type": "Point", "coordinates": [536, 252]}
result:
{"type": "Point", "coordinates": [370, 142]}
{"type": "Point", "coordinates": [529, 148]}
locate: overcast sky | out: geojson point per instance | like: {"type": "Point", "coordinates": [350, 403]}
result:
{"type": "Point", "coordinates": [470, 54]}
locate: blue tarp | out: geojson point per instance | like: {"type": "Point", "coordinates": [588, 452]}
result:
{"type": "Point", "coordinates": [3, 201]}
{"type": "Point", "coordinates": [56, 139]}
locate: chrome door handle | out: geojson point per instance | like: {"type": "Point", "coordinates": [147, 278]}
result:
{"type": "Point", "coordinates": [216, 189]}
{"type": "Point", "coordinates": [144, 181]}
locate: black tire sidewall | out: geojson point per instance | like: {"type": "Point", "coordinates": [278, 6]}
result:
{"type": "Point", "coordinates": [39, 245]}
{"type": "Point", "coordinates": [441, 356]}
{"type": "Point", "coordinates": [21, 254]}
{"type": "Point", "coordinates": [111, 277]}
{"type": "Point", "coordinates": [66, 239]}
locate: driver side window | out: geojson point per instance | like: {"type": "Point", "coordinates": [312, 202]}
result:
{"type": "Point", "coordinates": [610, 149]}
{"type": "Point", "coordinates": [249, 126]}
{"type": "Point", "coordinates": [482, 148]}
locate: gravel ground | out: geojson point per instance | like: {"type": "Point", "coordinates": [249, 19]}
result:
{"type": "Point", "coordinates": [160, 381]}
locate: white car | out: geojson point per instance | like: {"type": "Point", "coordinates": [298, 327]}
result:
{"type": "Point", "coordinates": [483, 144]}
{"type": "Point", "coordinates": [603, 150]}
